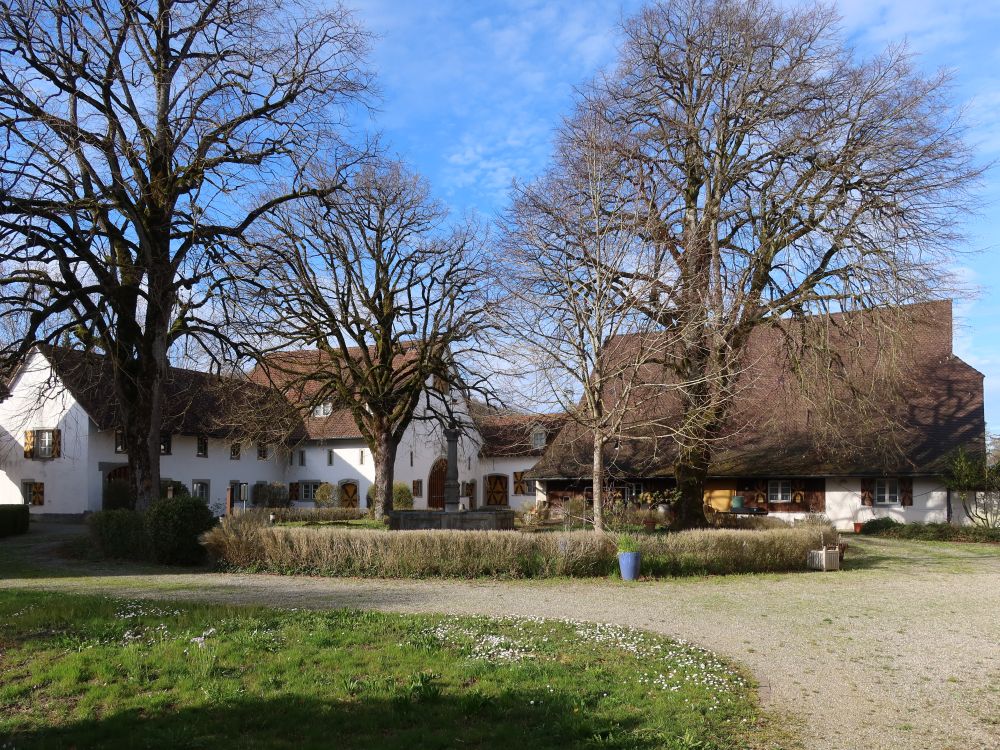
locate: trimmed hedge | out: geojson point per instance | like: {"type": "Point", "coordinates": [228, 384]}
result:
{"type": "Point", "coordinates": [119, 534]}
{"type": "Point", "coordinates": [173, 526]}
{"type": "Point", "coordinates": [940, 532]}
{"type": "Point", "coordinates": [879, 526]}
{"type": "Point", "coordinates": [287, 515]}
{"type": "Point", "coordinates": [14, 519]}
{"type": "Point", "coordinates": [244, 543]}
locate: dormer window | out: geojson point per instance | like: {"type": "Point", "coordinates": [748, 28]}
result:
{"type": "Point", "coordinates": [120, 441]}
{"type": "Point", "coordinates": [538, 439]}
{"type": "Point", "coordinates": [323, 410]}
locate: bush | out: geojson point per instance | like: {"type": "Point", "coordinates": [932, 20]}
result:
{"type": "Point", "coordinates": [14, 519]}
{"type": "Point", "coordinates": [402, 496]}
{"type": "Point", "coordinates": [174, 525]}
{"type": "Point", "coordinates": [316, 515]}
{"type": "Point", "coordinates": [118, 495]}
{"type": "Point", "coordinates": [175, 488]}
{"type": "Point", "coordinates": [273, 495]}
{"type": "Point", "coordinates": [326, 495]}
{"type": "Point", "coordinates": [119, 534]}
{"type": "Point", "coordinates": [244, 543]}
{"type": "Point", "coordinates": [942, 532]}
{"type": "Point", "coordinates": [879, 525]}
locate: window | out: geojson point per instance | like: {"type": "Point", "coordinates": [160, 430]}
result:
{"type": "Point", "coordinates": [33, 493]}
{"type": "Point", "coordinates": [323, 410]}
{"type": "Point", "coordinates": [45, 443]}
{"type": "Point", "coordinates": [307, 491]}
{"type": "Point", "coordinates": [329, 457]}
{"type": "Point", "coordinates": [234, 451]}
{"type": "Point", "coordinates": [887, 492]}
{"type": "Point", "coordinates": [26, 486]}
{"type": "Point", "coordinates": [120, 441]}
{"type": "Point", "coordinates": [201, 449]}
{"type": "Point", "coordinates": [302, 458]}
{"type": "Point", "coordinates": [262, 453]}
{"type": "Point", "coordinates": [520, 486]}
{"type": "Point", "coordinates": [200, 489]}
{"type": "Point", "coordinates": [361, 459]}
{"type": "Point", "coordinates": [779, 491]}
{"type": "Point", "coordinates": [538, 439]}
{"type": "Point", "coordinates": [166, 443]}
{"type": "Point", "coordinates": [291, 458]}
{"type": "Point", "coordinates": [411, 458]}
{"type": "Point", "coordinates": [529, 486]}
{"type": "Point", "coordinates": [418, 487]}
{"type": "Point", "coordinates": [469, 467]}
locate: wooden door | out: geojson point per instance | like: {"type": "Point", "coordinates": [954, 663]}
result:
{"type": "Point", "coordinates": [435, 484]}
{"type": "Point", "coordinates": [349, 495]}
{"type": "Point", "coordinates": [496, 489]}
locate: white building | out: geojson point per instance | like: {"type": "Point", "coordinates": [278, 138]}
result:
{"type": "Point", "coordinates": [60, 444]}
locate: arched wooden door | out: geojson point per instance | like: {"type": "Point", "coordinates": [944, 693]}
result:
{"type": "Point", "coordinates": [118, 475]}
{"type": "Point", "coordinates": [349, 495]}
{"type": "Point", "coordinates": [435, 484]}
{"type": "Point", "coordinates": [496, 489]}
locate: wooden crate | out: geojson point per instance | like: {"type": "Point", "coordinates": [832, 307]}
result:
{"type": "Point", "coordinates": [824, 559]}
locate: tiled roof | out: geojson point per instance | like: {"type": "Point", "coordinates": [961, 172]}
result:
{"type": "Point", "coordinates": [776, 429]}
{"type": "Point", "coordinates": [508, 435]}
{"type": "Point", "coordinates": [194, 403]}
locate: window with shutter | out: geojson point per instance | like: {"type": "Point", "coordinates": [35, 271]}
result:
{"type": "Point", "coordinates": [29, 443]}
{"type": "Point", "coordinates": [120, 441]}
{"type": "Point", "coordinates": [293, 491]}
{"type": "Point", "coordinates": [868, 492]}
{"type": "Point", "coordinates": [38, 493]}
{"type": "Point", "coordinates": [906, 491]}
{"type": "Point", "coordinates": [418, 487]}
{"type": "Point", "coordinates": [520, 486]}
{"type": "Point", "coordinates": [56, 443]}
{"type": "Point", "coordinates": [887, 492]}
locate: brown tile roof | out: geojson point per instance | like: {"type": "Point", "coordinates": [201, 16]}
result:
{"type": "Point", "coordinates": [195, 403]}
{"type": "Point", "coordinates": [289, 373]}
{"type": "Point", "coordinates": [776, 429]}
{"type": "Point", "coordinates": [508, 435]}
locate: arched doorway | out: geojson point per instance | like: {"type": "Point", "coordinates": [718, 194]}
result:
{"type": "Point", "coordinates": [118, 475]}
{"type": "Point", "coordinates": [349, 494]}
{"type": "Point", "coordinates": [435, 484]}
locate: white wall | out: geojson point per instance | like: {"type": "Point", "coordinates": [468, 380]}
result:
{"type": "Point", "coordinates": [844, 508]}
{"type": "Point", "coordinates": [39, 402]}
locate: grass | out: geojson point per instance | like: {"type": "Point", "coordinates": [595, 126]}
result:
{"type": "Point", "coordinates": [85, 672]}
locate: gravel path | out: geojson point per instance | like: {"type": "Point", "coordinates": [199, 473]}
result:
{"type": "Point", "coordinates": [902, 651]}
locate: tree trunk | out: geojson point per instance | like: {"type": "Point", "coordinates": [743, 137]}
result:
{"type": "Point", "coordinates": [384, 455]}
{"type": "Point", "coordinates": [690, 473]}
{"type": "Point", "coordinates": [598, 480]}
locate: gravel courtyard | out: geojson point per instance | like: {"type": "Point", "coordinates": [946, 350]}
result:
{"type": "Point", "coordinates": [900, 651]}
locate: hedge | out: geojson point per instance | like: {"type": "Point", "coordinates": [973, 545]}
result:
{"type": "Point", "coordinates": [935, 532]}
{"type": "Point", "coordinates": [167, 533]}
{"type": "Point", "coordinates": [14, 519]}
{"type": "Point", "coordinates": [243, 543]}
{"type": "Point", "coordinates": [288, 515]}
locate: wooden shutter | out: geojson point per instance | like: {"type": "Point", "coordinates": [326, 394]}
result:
{"type": "Point", "coordinates": [868, 492]}
{"type": "Point", "coordinates": [38, 493]}
{"type": "Point", "coordinates": [906, 491]}
{"type": "Point", "coordinates": [798, 491]}
{"type": "Point", "coordinates": [29, 443]}
{"type": "Point", "coordinates": [56, 443]}
{"type": "Point", "coordinates": [816, 494]}
{"type": "Point", "coordinates": [293, 491]}
{"type": "Point", "coordinates": [520, 486]}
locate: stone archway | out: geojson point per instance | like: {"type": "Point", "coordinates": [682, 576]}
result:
{"type": "Point", "coordinates": [435, 484]}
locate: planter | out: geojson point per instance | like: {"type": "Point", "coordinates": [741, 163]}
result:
{"type": "Point", "coordinates": [649, 524]}
{"type": "Point", "coordinates": [824, 559]}
{"type": "Point", "coordinates": [857, 527]}
{"type": "Point", "coordinates": [628, 564]}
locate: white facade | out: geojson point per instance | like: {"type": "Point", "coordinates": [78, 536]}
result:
{"type": "Point", "coordinates": [74, 481]}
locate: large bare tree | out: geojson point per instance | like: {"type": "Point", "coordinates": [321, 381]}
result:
{"type": "Point", "coordinates": [776, 178]}
{"type": "Point", "coordinates": [388, 296]}
{"type": "Point", "coordinates": [138, 137]}
{"type": "Point", "coordinates": [577, 342]}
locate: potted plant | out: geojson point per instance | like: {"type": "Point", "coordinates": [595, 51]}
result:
{"type": "Point", "coordinates": [629, 557]}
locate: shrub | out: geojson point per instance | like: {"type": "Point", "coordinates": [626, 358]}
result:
{"type": "Point", "coordinates": [14, 519]}
{"type": "Point", "coordinates": [879, 525]}
{"type": "Point", "coordinates": [117, 495]}
{"type": "Point", "coordinates": [317, 515]}
{"type": "Point", "coordinates": [326, 495]}
{"type": "Point", "coordinates": [942, 532]}
{"type": "Point", "coordinates": [119, 534]}
{"type": "Point", "coordinates": [245, 543]}
{"type": "Point", "coordinates": [402, 496]}
{"type": "Point", "coordinates": [175, 488]}
{"type": "Point", "coordinates": [627, 543]}
{"type": "Point", "coordinates": [273, 495]}
{"type": "Point", "coordinates": [174, 525]}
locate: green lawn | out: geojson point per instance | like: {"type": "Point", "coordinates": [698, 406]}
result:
{"type": "Point", "coordinates": [86, 672]}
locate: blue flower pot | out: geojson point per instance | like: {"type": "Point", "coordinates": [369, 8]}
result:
{"type": "Point", "coordinates": [628, 563]}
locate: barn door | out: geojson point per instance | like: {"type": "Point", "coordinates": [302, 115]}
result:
{"type": "Point", "coordinates": [435, 484]}
{"type": "Point", "coordinates": [496, 489]}
{"type": "Point", "coordinates": [349, 495]}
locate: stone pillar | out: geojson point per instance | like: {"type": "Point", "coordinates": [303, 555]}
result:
{"type": "Point", "coordinates": [451, 477]}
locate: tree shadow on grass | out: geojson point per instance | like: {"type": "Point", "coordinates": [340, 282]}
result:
{"type": "Point", "coordinates": [425, 720]}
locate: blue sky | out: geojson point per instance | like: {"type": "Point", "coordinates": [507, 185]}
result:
{"type": "Point", "coordinates": [472, 91]}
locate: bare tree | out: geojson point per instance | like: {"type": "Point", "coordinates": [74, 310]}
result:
{"type": "Point", "coordinates": [390, 297]}
{"type": "Point", "coordinates": [576, 337]}
{"type": "Point", "coordinates": [137, 137]}
{"type": "Point", "coordinates": [776, 179]}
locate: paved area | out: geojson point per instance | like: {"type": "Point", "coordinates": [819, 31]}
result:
{"type": "Point", "coordinates": [902, 650]}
